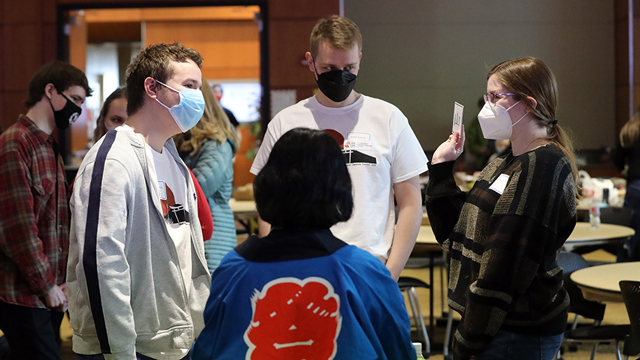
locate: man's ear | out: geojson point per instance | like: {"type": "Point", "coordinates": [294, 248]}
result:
{"type": "Point", "coordinates": [310, 62]}
{"type": "Point", "coordinates": [49, 90]}
{"type": "Point", "coordinates": [151, 87]}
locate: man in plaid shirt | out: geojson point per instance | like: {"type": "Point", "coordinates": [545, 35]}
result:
{"type": "Point", "coordinates": [34, 215]}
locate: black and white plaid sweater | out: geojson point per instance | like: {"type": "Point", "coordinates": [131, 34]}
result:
{"type": "Point", "coordinates": [503, 237]}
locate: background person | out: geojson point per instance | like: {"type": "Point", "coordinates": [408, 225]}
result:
{"type": "Point", "coordinates": [300, 286]}
{"type": "Point", "coordinates": [627, 155]}
{"type": "Point", "coordinates": [217, 90]}
{"type": "Point", "coordinates": [208, 150]}
{"type": "Point", "coordinates": [383, 154]}
{"type": "Point", "coordinates": [112, 114]}
{"type": "Point", "coordinates": [34, 220]}
{"type": "Point", "coordinates": [136, 270]}
{"type": "Point", "coordinates": [504, 235]}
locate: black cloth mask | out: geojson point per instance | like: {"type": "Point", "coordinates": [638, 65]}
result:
{"type": "Point", "coordinates": [67, 115]}
{"type": "Point", "coordinates": [336, 84]}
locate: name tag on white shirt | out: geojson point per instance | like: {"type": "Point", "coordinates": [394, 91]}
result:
{"type": "Point", "coordinates": [162, 189]}
{"type": "Point", "coordinates": [500, 183]}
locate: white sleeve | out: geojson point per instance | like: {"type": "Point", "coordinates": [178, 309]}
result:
{"type": "Point", "coordinates": [409, 159]}
{"type": "Point", "coordinates": [270, 137]}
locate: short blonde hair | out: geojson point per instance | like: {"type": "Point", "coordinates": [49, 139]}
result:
{"type": "Point", "coordinates": [338, 31]}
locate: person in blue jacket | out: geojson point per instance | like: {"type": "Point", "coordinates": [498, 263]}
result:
{"type": "Point", "coordinates": [208, 150]}
{"type": "Point", "coordinates": [300, 292]}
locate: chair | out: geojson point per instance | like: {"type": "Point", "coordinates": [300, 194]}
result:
{"type": "Point", "coordinates": [596, 333]}
{"type": "Point", "coordinates": [631, 294]}
{"type": "Point", "coordinates": [409, 284]}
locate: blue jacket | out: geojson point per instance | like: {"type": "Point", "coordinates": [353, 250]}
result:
{"type": "Point", "coordinates": [213, 167]}
{"type": "Point", "coordinates": [300, 292]}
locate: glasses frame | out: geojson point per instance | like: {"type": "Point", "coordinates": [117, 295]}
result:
{"type": "Point", "coordinates": [491, 96]}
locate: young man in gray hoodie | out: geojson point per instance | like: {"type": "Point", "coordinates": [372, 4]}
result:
{"type": "Point", "coordinates": [137, 277]}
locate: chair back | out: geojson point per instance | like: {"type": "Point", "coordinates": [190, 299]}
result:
{"type": "Point", "coordinates": [571, 262]}
{"type": "Point", "coordinates": [631, 294]}
{"type": "Point", "coordinates": [616, 215]}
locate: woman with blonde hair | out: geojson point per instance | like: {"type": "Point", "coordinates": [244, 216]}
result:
{"type": "Point", "coordinates": [628, 154]}
{"type": "Point", "coordinates": [504, 235]}
{"type": "Point", "coordinates": [208, 150]}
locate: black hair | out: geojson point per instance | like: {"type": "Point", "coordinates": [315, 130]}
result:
{"type": "Point", "coordinates": [61, 74]}
{"type": "Point", "coordinates": [305, 183]}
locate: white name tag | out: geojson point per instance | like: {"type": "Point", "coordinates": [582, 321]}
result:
{"type": "Point", "coordinates": [500, 183]}
{"type": "Point", "coordinates": [162, 189]}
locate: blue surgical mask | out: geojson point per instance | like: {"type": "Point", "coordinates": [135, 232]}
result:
{"type": "Point", "coordinates": [190, 109]}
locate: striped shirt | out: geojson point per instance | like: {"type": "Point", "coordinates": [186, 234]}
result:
{"type": "Point", "coordinates": [34, 215]}
{"type": "Point", "coordinates": [503, 237]}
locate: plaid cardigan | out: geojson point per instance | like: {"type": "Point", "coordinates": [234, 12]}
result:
{"type": "Point", "coordinates": [503, 237]}
{"type": "Point", "coordinates": [34, 215]}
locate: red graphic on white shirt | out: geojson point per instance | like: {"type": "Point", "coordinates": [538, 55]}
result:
{"type": "Point", "coordinates": [174, 213]}
{"type": "Point", "coordinates": [294, 319]}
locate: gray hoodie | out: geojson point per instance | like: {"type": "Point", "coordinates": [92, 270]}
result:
{"type": "Point", "coordinates": [125, 287]}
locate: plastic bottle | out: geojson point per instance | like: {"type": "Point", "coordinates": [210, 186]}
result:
{"type": "Point", "coordinates": [418, 347]}
{"type": "Point", "coordinates": [594, 214]}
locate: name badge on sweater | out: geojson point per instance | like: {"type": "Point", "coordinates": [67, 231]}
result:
{"type": "Point", "coordinates": [500, 183]}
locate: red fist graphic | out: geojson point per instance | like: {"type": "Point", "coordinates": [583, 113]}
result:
{"type": "Point", "coordinates": [294, 319]}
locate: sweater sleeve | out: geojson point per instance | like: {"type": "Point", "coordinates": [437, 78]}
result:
{"type": "Point", "coordinates": [444, 200]}
{"type": "Point", "coordinates": [101, 214]}
{"type": "Point", "coordinates": [212, 166]}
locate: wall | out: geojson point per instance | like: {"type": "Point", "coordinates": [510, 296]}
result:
{"type": "Point", "coordinates": [426, 54]}
{"type": "Point", "coordinates": [28, 35]}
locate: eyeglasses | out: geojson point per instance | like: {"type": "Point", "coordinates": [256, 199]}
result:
{"type": "Point", "coordinates": [491, 97]}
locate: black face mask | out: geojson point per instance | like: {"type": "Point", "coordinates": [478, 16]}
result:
{"type": "Point", "coordinates": [67, 115]}
{"type": "Point", "coordinates": [336, 84]}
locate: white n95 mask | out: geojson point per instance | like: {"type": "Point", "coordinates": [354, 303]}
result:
{"type": "Point", "coordinates": [496, 122]}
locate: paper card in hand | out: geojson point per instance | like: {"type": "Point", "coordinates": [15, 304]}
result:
{"type": "Point", "coordinates": [457, 117]}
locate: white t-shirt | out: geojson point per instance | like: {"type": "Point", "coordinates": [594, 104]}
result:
{"type": "Point", "coordinates": [172, 191]}
{"type": "Point", "coordinates": [381, 150]}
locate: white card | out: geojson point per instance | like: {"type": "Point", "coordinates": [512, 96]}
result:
{"type": "Point", "coordinates": [457, 117]}
{"type": "Point", "coordinates": [500, 183]}
{"type": "Point", "coordinates": [162, 188]}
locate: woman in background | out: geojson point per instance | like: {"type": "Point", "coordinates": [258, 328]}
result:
{"type": "Point", "coordinates": [628, 153]}
{"type": "Point", "coordinates": [112, 114]}
{"type": "Point", "coordinates": [208, 150]}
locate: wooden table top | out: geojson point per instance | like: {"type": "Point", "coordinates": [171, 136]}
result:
{"type": "Point", "coordinates": [583, 235]}
{"type": "Point", "coordinates": [601, 283]}
{"type": "Point", "coordinates": [243, 206]}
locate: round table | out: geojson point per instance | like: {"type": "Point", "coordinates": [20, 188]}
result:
{"type": "Point", "coordinates": [601, 283]}
{"type": "Point", "coordinates": [427, 239]}
{"type": "Point", "coordinates": [583, 235]}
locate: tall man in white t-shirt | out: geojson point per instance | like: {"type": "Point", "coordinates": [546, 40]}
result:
{"type": "Point", "coordinates": [383, 154]}
{"type": "Point", "coordinates": [137, 277]}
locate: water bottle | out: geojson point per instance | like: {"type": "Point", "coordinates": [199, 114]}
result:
{"type": "Point", "coordinates": [594, 214]}
{"type": "Point", "coordinates": [418, 347]}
